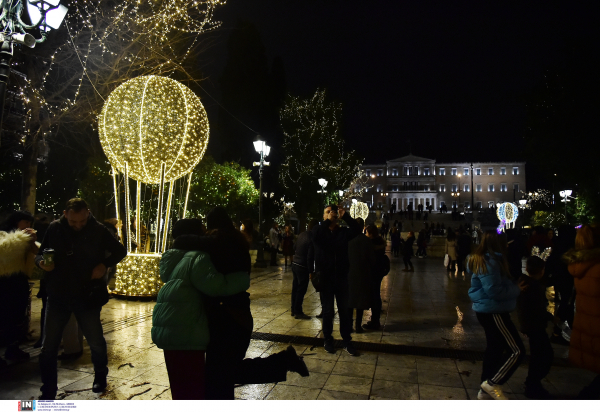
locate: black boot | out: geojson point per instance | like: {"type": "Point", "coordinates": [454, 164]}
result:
{"type": "Point", "coordinates": [100, 384]}
{"type": "Point", "coordinates": [14, 353]}
{"type": "Point", "coordinates": [294, 362]}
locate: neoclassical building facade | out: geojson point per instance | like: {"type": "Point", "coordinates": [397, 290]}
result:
{"type": "Point", "coordinates": [421, 181]}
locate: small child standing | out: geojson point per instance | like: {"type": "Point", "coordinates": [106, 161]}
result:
{"type": "Point", "coordinates": [533, 319]}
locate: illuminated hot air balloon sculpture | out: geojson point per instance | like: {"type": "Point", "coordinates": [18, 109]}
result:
{"type": "Point", "coordinates": [154, 130]}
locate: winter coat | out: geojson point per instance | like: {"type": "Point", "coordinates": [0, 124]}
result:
{"type": "Point", "coordinates": [287, 244]}
{"type": "Point", "coordinates": [361, 255]}
{"type": "Point", "coordinates": [331, 248]}
{"type": "Point", "coordinates": [531, 306]}
{"type": "Point", "coordinates": [407, 247]}
{"type": "Point", "coordinates": [464, 245]}
{"type": "Point", "coordinates": [76, 254]}
{"type": "Point", "coordinates": [492, 292]}
{"type": "Point", "coordinates": [382, 261]}
{"type": "Point", "coordinates": [451, 249]}
{"type": "Point", "coordinates": [304, 251]}
{"type": "Point", "coordinates": [179, 319]}
{"type": "Point", "coordinates": [584, 265]}
{"type": "Point", "coordinates": [15, 253]}
{"type": "Point", "coordinates": [274, 238]}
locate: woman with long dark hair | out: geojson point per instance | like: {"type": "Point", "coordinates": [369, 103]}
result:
{"type": "Point", "coordinates": [494, 296]}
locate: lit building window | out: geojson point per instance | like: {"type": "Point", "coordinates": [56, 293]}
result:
{"type": "Point", "coordinates": [442, 188]}
{"type": "Point", "coordinates": [379, 188]}
{"type": "Point", "coordinates": [478, 188]}
{"type": "Point", "coordinates": [466, 188]}
{"type": "Point", "coordinates": [503, 171]}
{"type": "Point", "coordinates": [454, 188]}
{"type": "Point", "coordinates": [516, 187]}
{"type": "Point", "coordinates": [491, 187]}
{"type": "Point", "coordinates": [416, 170]}
{"type": "Point", "coordinates": [515, 170]}
{"type": "Point", "coordinates": [490, 171]}
{"type": "Point", "coordinates": [394, 172]}
{"type": "Point", "coordinates": [395, 188]}
{"type": "Point", "coordinates": [426, 171]}
{"type": "Point", "coordinates": [466, 171]}
{"type": "Point", "coordinates": [479, 205]}
{"type": "Point", "coordinates": [503, 187]}
{"type": "Point", "coordinates": [442, 171]}
{"type": "Point", "coordinates": [453, 171]}
{"type": "Point", "coordinates": [478, 172]}
{"type": "Point", "coordinates": [467, 205]}
{"type": "Point", "coordinates": [368, 172]}
{"type": "Point", "coordinates": [379, 172]}
{"type": "Point", "coordinates": [490, 204]}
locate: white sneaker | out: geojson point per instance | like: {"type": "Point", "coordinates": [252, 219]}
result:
{"type": "Point", "coordinates": [483, 396]}
{"type": "Point", "coordinates": [495, 391]}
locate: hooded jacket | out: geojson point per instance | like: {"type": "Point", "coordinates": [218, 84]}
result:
{"type": "Point", "coordinates": [492, 292]}
{"type": "Point", "coordinates": [179, 319]}
{"type": "Point", "coordinates": [584, 265]}
{"type": "Point", "coordinates": [76, 254]}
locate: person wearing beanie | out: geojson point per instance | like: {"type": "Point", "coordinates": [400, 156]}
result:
{"type": "Point", "coordinates": [230, 321]}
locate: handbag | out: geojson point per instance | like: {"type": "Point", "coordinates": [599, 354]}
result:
{"type": "Point", "coordinates": [446, 260]}
{"type": "Point", "coordinates": [95, 293]}
{"type": "Point", "coordinates": [317, 281]}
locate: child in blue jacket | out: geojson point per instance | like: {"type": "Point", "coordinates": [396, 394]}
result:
{"type": "Point", "coordinates": [494, 296]}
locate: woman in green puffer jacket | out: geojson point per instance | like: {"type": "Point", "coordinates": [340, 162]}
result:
{"type": "Point", "coordinates": [179, 324]}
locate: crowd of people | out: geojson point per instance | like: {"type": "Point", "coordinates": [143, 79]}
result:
{"type": "Point", "coordinates": [203, 322]}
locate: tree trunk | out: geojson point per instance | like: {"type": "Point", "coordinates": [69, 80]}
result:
{"type": "Point", "coordinates": [29, 170]}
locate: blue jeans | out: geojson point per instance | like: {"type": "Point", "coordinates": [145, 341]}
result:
{"type": "Point", "coordinates": [338, 290]}
{"type": "Point", "coordinates": [58, 312]}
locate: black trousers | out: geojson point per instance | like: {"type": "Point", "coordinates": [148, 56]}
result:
{"type": "Point", "coordinates": [540, 358]}
{"type": "Point", "coordinates": [461, 263]}
{"type": "Point", "coordinates": [376, 300]}
{"type": "Point", "coordinates": [299, 286]}
{"type": "Point", "coordinates": [504, 351]}
{"type": "Point", "coordinates": [407, 261]}
{"type": "Point", "coordinates": [273, 256]}
{"type": "Point", "coordinates": [336, 290]}
{"type": "Point", "coordinates": [14, 299]}
{"type": "Point", "coordinates": [230, 325]}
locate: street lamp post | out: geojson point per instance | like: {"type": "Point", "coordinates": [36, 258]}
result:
{"type": "Point", "coordinates": [323, 184]}
{"type": "Point", "coordinates": [43, 14]}
{"type": "Point", "coordinates": [566, 195]}
{"type": "Point", "coordinates": [263, 149]}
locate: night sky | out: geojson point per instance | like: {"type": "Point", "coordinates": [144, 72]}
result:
{"type": "Point", "coordinates": [451, 78]}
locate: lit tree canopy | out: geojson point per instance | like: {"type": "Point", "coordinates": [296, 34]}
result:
{"type": "Point", "coordinates": [313, 147]}
{"type": "Point", "coordinates": [228, 185]}
{"type": "Point", "coordinates": [101, 44]}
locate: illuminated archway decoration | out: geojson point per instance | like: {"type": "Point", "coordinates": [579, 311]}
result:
{"type": "Point", "coordinates": [507, 213]}
{"type": "Point", "coordinates": [153, 130]}
{"type": "Point", "coordinates": [359, 209]}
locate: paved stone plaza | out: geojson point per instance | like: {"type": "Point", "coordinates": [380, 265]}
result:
{"type": "Point", "coordinates": [420, 311]}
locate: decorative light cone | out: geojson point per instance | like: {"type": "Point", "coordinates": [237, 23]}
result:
{"type": "Point", "coordinates": [150, 120]}
{"type": "Point", "coordinates": [359, 209]}
{"type": "Point", "coordinates": [154, 130]}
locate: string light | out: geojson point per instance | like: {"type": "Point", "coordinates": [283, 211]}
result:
{"type": "Point", "coordinates": [153, 129]}
{"type": "Point", "coordinates": [138, 275]}
{"type": "Point", "coordinates": [359, 209]}
{"type": "Point", "coordinates": [312, 144]}
{"type": "Point", "coordinates": [150, 120]}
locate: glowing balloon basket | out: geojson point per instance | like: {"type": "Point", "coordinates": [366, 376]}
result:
{"type": "Point", "coordinates": [359, 209]}
{"type": "Point", "coordinates": [154, 131]}
{"type": "Point", "coordinates": [507, 214]}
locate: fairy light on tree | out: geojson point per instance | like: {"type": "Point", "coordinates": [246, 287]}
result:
{"type": "Point", "coordinates": [153, 130]}
{"type": "Point", "coordinates": [313, 148]}
{"type": "Point", "coordinates": [103, 44]}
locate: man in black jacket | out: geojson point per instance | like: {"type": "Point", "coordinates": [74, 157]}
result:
{"type": "Point", "coordinates": [332, 266]}
{"type": "Point", "coordinates": [80, 262]}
